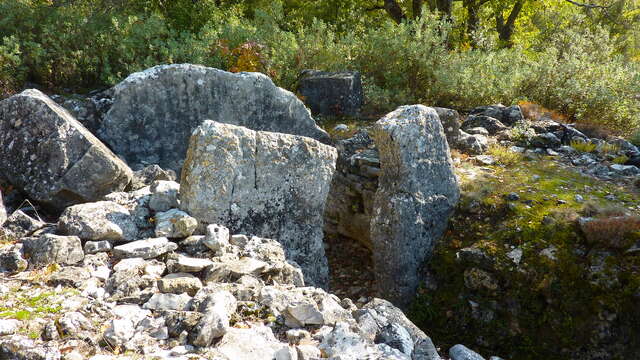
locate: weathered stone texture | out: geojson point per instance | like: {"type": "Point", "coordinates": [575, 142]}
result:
{"type": "Point", "coordinates": [266, 184]}
{"type": "Point", "coordinates": [155, 111]}
{"type": "Point", "coordinates": [417, 193]}
{"type": "Point", "coordinates": [45, 152]}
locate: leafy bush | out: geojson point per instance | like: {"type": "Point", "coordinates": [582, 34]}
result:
{"type": "Point", "coordinates": [85, 44]}
{"type": "Point", "coordinates": [503, 155]}
{"type": "Point", "coordinates": [11, 70]}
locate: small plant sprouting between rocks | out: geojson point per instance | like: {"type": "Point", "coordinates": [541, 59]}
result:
{"type": "Point", "coordinates": [583, 146]}
{"type": "Point", "coordinates": [503, 155]}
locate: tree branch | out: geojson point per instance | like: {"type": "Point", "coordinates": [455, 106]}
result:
{"type": "Point", "coordinates": [588, 6]}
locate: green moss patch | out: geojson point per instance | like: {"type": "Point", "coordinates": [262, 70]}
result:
{"type": "Point", "coordinates": [558, 295]}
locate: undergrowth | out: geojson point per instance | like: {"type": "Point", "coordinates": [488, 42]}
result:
{"type": "Point", "coordinates": [550, 304]}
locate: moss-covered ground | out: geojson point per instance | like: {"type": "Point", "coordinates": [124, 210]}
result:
{"type": "Point", "coordinates": [565, 296]}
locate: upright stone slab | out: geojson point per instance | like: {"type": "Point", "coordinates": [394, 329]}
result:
{"type": "Point", "coordinates": [417, 193]}
{"type": "Point", "coordinates": [49, 155]}
{"type": "Point", "coordinates": [261, 183]}
{"type": "Point", "coordinates": [155, 111]}
{"type": "Point", "coordinates": [332, 93]}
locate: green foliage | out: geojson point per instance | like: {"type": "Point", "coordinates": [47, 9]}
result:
{"type": "Point", "coordinates": [11, 70]}
{"type": "Point", "coordinates": [562, 59]}
{"type": "Point", "coordinates": [503, 155]}
{"type": "Point", "coordinates": [545, 308]}
{"type": "Point", "coordinates": [622, 159]}
{"type": "Point", "coordinates": [583, 146]}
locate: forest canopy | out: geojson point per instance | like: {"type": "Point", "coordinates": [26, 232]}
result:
{"type": "Point", "coordinates": [579, 58]}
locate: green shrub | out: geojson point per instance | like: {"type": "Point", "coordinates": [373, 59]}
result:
{"type": "Point", "coordinates": [583, 146]}
{"type": "Point", "coordinates": [11, 70]}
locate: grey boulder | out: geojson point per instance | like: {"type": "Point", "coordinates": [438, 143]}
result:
{"type": "Point", "coordinates": [164, 195]}
{"type": "Point", "coordinates": [332, 93]}
{"type": "Point", "coordinates": [155, 111]}
{"type": "Point", "coordinates": [175, 224]}
{"type": "Point", "coordinates": [217, 308]}
{"type": "Point", "coordinates": [102, 220]}
{"type": "Point", "coordinates": [492, 125]}
{"type": "Point", "coordinates": [49, 155]}
{"type": "Point", "coordinates": [461, 352]}
{"type": "Point", "coordinates": [20, 225]}
{"type": "Point", "coordinates": [146, 249]}
{"type": "Point", "coordinates": [450, 120]}
{"type": "Point", "coordinates": [417, 193]}
{"type": "Point", "coordinates": [507, 115]}
{"type": "Point", "coordinates": [472, 143]}
{"type": "Point", "coordinates": [261, 183]}
{"type": "Point", "coordinates": [48, 249]}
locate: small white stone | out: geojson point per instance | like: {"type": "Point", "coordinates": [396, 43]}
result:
{"type": "Point", "coordinates": [9, 326]}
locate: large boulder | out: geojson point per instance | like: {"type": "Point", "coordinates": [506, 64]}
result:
{"type": "Point", "coordinates": [51, 156]}
{"type": "Point", "coordinates": [155, 111]}
{"type": "Point", "coordinates": [332, 93]}
{"type": "Point", "coordinates": [417, 193]}
{"type": "Point", "coordinates": [261, 183]}
{"type": "Point", "coordinates": [102, 220]}
{"type": "Point", "coordinates": [506, 115]}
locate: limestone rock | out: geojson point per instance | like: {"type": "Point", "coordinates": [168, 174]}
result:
{"type": "Point", "coordinates": [94, 247]}
{"type": "Point", "coordinates": [172, 100]}
{"type": "Point", "coordinates": [19, 225]}
{"type": "Point", "coordinates": [8, 326]}
{"type": "Point", "coordinates": [332, 93]}
{"type": "Point", "coordinates": [149, 174]}
{"type": "Point", "coordinates": [266, 184]}
{"type": "Point", "coordinates": [164, 195]}
{"type": "Point", "coordinates": [188, 264]}
{"type": "Point", "coordinates": [461, 352]}
{"type": "Point", "coordinates": [51, 156]}
{"type": "Point", "coordinates": [473, 144]}
{"type": "Point", "coordinates": [175, 224]}
{"type": "Point", "coordinates": [492, 125]}
{"type": "Point", "coordinates": [11, 259]}
{"type": "Point", "coordinates": [48, 249]}
{"type": "Point", "coordinates": [256, 343]}
{"type": "Point", "coordinates": [450, 120]}
{"type": "Point", "coordinates": [216, 237]}
{"type": "Point", "coordinates": [102, 220]}
{"type": "Point", "coordinates": [180, 302]}
{"type": "Point", "coordinates": [217, 309]}
{"type": "Point", "coordinates": [416, 195]}
{"type": "Point", "coordinates": [146, 249]}
{"type": "Point", "coordinates": [178, 283]}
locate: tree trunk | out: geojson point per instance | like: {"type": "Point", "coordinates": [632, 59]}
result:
{"type": "Point", "coordinates": [505, 29]}
{"type": "Point", "coordinates": [394, 10]}
{"type": "Point", "coordinates": [417, 8]}
{"type": "Point", "coordinates": [473, 18]}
